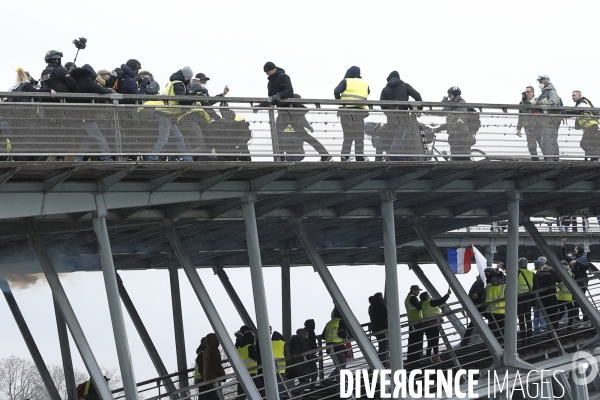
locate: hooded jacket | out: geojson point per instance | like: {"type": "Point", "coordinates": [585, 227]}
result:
{"type": "Point", "coordinates": [85, 79]}
{"type": "Point", "coordinates": [128, 85]}
{"type": "Point", "coordinates": [549, 96]}
{"type": "Point", "coordinates": [378, 314]}
{"type": "Point", "coordinates": [212, 367]}
{"type": "Point", "coordinates": [581, 265]}
{"type": "Point", "coordinates": [280, 84]}
{"type": "Point", "coordinates": [298, 366]}
{"type": "Point", "coordinates": [353, 72]}
{"type": "Point", "coordinates": [397, 89]}
{"type": "Point", "coordinates": [180, 87]}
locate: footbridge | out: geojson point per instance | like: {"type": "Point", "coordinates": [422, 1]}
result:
{"type": "Point", "coordinates": [251, 203]}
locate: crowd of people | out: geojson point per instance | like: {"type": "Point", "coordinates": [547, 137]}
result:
{"type": "Point", "coordinates": [204, 131]}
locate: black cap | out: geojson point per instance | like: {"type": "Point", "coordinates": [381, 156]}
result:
{"type": "Point", "coordinates": [202, 77]}
{"type": "Point", "coordinates": [269, 66]}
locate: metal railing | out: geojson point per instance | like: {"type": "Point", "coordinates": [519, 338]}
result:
{"type": "Point", "coordinates": [320, 378]}
{"type": "Point", "coordinates": [121, 127]}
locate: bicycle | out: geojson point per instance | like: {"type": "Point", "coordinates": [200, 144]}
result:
{"type": "Point", "coordinates": [429, 138]}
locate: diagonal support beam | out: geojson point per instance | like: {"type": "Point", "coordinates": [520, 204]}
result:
{"type": "Point", "coordinates": [261, 181]}
{"type": "Point", "coordinates": [307, 182]}
{"type": "Point", "coordinates": [353, 182]}
{"type": "Point", "coordinates": [587, 307]}
{"type": "Point", "coordinates": [8, 174]}
{"type": "Point", "coordinates": [237, 302]}
{"type": "Point", "coordinates": [106, 183]}
{"type": "Point", "coordinates": [65, 351]}
{"type": "Point", "coordinates": [486, 334]}
{"type": "Point", "coordinates": [209, 308]}
{"type": "Point", "coordinates": [565, 183]}
{"type": "Point", "coordinates": [114, 306]}
{"type": "Point", "coordinates": [29, 341]}
{"type": "Point", "coordinates": [145, 337]}
{"type": "Point", "coordinates": [52, 182]}
{"type": "Point", "coordinates": [397, 183]}
{"type": "Point", "coordinates": [491, 179]}
{"type": "Point", "coordinates": [69, 315]}
{"type": "Point", "coordinates": [336, 294]}
{"type": "Point", "coordinates": [157, 183]}
{"type": "Point", "coordinates": [528, 181]}
{"type": "Point", "coordinates": [440, 183]}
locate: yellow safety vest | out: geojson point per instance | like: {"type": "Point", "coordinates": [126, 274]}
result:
{"type": "Point", "coordinates": [563, 293]}
{"type": "Point", "coordinates": [169, 91]}
{"type": "Point", "coordinates": [414, 314]}
{"type": "Point", "coordinates": [525, 280]}
{"type": "Point", "coordinates": [356, 89]}
{"type": "Point", "coordinates": [87, 388]}
{"type": "Point", "coordinates": [331, 331]}
{"type": "Point", "coordinates": [587, 121]}
{"type": "Point", "coordinates": [493, 293]}
{"type": "Point", "coordinates": [197, 373]}
{"type": "Point", "coordinates": [428, 310]}
{"type": "Point", "coordinates": [278, 352]}
{"type": "Point", "coordinates": [248, 362]}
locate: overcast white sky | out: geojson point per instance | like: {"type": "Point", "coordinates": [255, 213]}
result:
{"type": "Point", "coordinates": [492, 50]}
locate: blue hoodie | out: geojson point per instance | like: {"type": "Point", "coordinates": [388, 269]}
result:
{"type": "Point", "coordinates": [353, 72]}
{"type": "Point", "coordinates": [128, 85]}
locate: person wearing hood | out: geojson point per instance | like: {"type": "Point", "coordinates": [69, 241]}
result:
{"type": "Point", "coordinates": [579, 266]}
{"type": "Point", "coordinates": [407, 139]}
{"type": "Point", "coordinates": [379, 323]}
{"type": "Point", "coordinates": [212, 367]}
{"type": "Point", "coordinates": [281, 351]}
{"type": "Point", "coordinates": [353, 87]}
{"type": "Point", "coordinates": [85, 82]}
{"type": "Point", "coordinates": [167, 117]}
{"type": "Point", "coordinates": [279, 86]}
{"type": "Point", "coordinates": [128, 83]}
{"type": "Point", "coordinates": [549, 97]}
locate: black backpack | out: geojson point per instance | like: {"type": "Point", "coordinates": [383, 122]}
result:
{"type": "Point", "coordinates": [115, 78]}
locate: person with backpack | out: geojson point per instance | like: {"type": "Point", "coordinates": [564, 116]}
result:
{"type": "Point", "coordinates": [124, 80]}
{"type": "Point", "coordinates": [407, 137]}
{"type": "Point", "coordinates": [532, 126]}
{"type": "Point", "coordinates": [549, 97]}
{"type": "Point", "coordinates": [590, 141]}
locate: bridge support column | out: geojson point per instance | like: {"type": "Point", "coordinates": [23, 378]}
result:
{"type": "Point", "coordinates": [145, 336]}
{"type": "Point", "coordinates": [29, 341]}
{"type": "Point", "coordinates": [567, 279]}
{"type": "Point", "coordinates": [458, 326]}
{"type": "Point", "coordinates": [260, 298]}
{"type": "Point", "coordinates": [65, 351]}
{"type": "Point", "coordinates": [233, 296]}
{"type": "Point", "coordinates": [286, 295]}
{"type": "Point", "coordinates": [69, 315]}
{"type": "Point", "coordinates": [209, 308]}
{"type": "Point", "coordinates": [177, 320]}
{"type": "Point", "coordinates": [338, 298]}
{"type": "Point", "coordinates": [392, 297]}
{"type": "Point", "coordinates": [510, 358]}
{"type": "Point", "coordinates": [486, 334]}
{"type": "Point", "coordinates": [114, 305]}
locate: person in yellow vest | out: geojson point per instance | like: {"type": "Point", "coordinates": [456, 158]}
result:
{"type": "Point", "coordinates": [335, 333]}
{"type": "Point", "coordinates": [281, 351]}
{"type": "Point", "coordinates": [494, 298]}
{"type": "Point", "coordinates": [590, 141]}
{"type": "Point", "coordinates": [353, 87]}
{"type": "Point", "coordinates": [526, 284]}
{"type": "Point", "coordinates": [564, 299]}
{"type": "Point", "coordinates": [415, 318]}
{"type": "Point", "coordinates": [198, 366]}
{"type": "Point", "coordinates": [432, 321]}
{"type": "Point", "coordinates": [249, 355]}
{"type": "Point", "coordinates": [177, 86]}
{"type": "Point", "coordinates": [87, 390]}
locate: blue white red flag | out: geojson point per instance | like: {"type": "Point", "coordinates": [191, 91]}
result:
{"type": "Point", "coordinates": [460, 260]}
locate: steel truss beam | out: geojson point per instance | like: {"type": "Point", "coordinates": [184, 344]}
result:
{"type": "Point", "coordinates": [338, 298]}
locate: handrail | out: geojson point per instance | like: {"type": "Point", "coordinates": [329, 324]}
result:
{"type": "Point", "coordinates": [251, 100]}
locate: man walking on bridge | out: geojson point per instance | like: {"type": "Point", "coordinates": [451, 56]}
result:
{"type": "Point", "coordinates": [415, 318]}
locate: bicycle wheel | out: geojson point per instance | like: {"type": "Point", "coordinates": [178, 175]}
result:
{"type": "Point", "coordinates": [439, 156]}
{"type": "Point", "coordinates": [478, 155]}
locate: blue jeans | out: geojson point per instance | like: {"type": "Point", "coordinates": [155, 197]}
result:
{"type": "Point", "coordinates": [91, 128]}
{"type": "Point", "coordinates": [539, 322]}
{"type": "Point", "coordinates": [550, 143]}
{"type": "Point", "coordinates": [165, 128]}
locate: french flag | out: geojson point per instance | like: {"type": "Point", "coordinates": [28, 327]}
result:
{"type": "Point", "coordinates": [460, 260]}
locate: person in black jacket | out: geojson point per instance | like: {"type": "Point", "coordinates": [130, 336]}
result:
{"type": "Point", "coordinates": [476, 294]}
{"type": "Point", "coordinates": [85, 80]}
{"type": "Point", "coordinates": [55, 76]}
{"type": "Point", "coordinates": [579, 266]}
{"type": "Point", "coordinates": [299, 365]}
{"type": "Point", "coordinates": [309, 326]}
{"type": "Point", "coordinates": [379, 323]}
{"type": "Point", "coordinates": [546, 279]}
{"type": "Point", "coordinates": [407, 138]}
